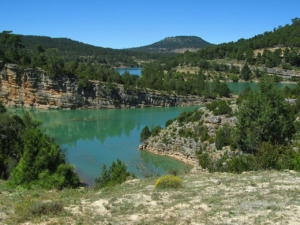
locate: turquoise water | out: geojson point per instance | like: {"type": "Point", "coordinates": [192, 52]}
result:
{"type": "Point", "coordinates": [133, 71]}
{"type": "Point", "coordinates": [90, 138]}
{"type": "Point", "coordinates": [237, 87]}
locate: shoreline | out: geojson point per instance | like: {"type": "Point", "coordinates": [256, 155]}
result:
{"type": "Point", "coordinates": [191, 161]}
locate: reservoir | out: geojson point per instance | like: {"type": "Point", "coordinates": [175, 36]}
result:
{"type": "Point", "coordinates": [132, 71]}
{"type": "Point", "coordinates": [93, 137]}
{"type": "Point", "coordinates": [89, 138]}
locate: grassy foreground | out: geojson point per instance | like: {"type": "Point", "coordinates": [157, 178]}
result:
{"type": "Point", "coordinates": [261, 197]}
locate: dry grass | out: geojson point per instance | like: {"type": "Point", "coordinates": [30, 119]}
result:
{"type": "Point", "coordinates": [264, 197]}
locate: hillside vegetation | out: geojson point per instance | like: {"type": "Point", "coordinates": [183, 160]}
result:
{"type": "Point", "coordinates": [174, 45]}
{"type": "Point", "coordinates": [74, 50]}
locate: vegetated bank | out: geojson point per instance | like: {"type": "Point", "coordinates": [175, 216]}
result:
{"type": "Point", "coordinates": [35, 88]}
{"type": "Point", "coordinates": [257, 131]}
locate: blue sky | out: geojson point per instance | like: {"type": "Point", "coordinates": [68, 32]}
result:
{"type": "Point", "coordinates": [134, 23]}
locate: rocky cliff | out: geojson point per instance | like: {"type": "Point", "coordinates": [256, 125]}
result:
{"type": "Point", "coordinates": [34, 88]}
{"type": "Point", "coordinates": [175, 141]}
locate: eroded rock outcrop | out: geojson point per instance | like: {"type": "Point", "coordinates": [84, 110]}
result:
{"type": "Point", "coordinates": [182, 141]}
{"type": "Point", "coordinates": [34, 88]}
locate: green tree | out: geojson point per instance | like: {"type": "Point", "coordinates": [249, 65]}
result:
{"type": "Point", "coordinates": [145, 133]}
{"type": "Point", "coordinates": [155, 131]}
{"type": "Point", "coordinates": [223, 137]}
{"type": "Point", "coordinates": [42, 164]}
{"type": "Point", "coordinates": [116, 174]}
{"type": "Point", "coordinates": [2, 108]}
{"type": "Point", "coordinates": [246, 72]}
{"type": "Point", "coordinates": [234, 77]}
{"type": "Point", "coordinates": [264, 116]}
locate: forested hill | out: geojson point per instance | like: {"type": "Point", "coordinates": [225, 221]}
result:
{"type": "Point", "coordinates": [71, 49]}
{"type": "Point", "coordinates": [177, 44]}
{"type": "Point", "coordinates": [281, 37]}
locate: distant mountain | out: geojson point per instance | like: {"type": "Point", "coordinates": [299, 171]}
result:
{"type": "Point", "coordinates": [72, 49]}
{"type": "Point", "coordinates": [176, 44]}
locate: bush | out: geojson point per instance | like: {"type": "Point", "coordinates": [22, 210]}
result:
{"type": "Point", "coordinates": [116, 174]}
{"type": "Point", "coordinates": [223, 137]}
{"type": "Point", "coordinates": [296, 162]}
{"type": "Point", "coordinates": [204, 134]}
{"type": "Point", "coordinates": [42, 164]}
{"type": "Point", "coordinates": [46, 208]}
{"type": "Point", "coordinates": [190, 116]}
{"type": "Point", "coordinates": [204, 161]}
{"type": "Point", "coordinates": [264, 116]}
{"type": "Point", "coordinates": [267, 156]}
{"type": "Point", "coordinates": [219, 107]}
{"type": "Point", "coordinates": [169, 122]}
{"type": "Point", "coordinates": [145, 134]}
{"type": "Point", "coordinates": [168, 181]}
{"type": "Point", "coordinates": [27, 208]}
{"type": "Point", "coordinates": [155, 131]}
{"type": "Point", "coordinates": [240, 164]}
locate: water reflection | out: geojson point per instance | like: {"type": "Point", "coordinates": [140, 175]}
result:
{"type": "Point", "coordinates": [91, 138]}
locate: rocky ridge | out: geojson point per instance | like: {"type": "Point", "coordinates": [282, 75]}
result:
{"type": "Point", "coordinates": [169, 142]}
{"type": "Point", "coordinates": [34, 88]}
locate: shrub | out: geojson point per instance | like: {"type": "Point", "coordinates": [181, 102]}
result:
{"type": "Point", "coordinates": [219, 107]}
{"type": "Point", "coordinates": [145, 134]}
{"type": "Point", "coordinates": [268, 156]}
{"type": "Point", "coordinates": [168, 181]}
{"type": "Point", "coordinates": [27, 208]}
{"type": "Point", "coordinates": [286, 158]}
{"type": "Point", "coordinates": [85, 84]}
{"type": "Point", "coordinates": [116, 174]}
{"type": "Point", "coordinates": [168, 122]}
{"type": "Point", "coordinates": [223, 137]}
{"type": "Point", "coordinates": [240, 164]}
{"type": "Point", "coordinates": [296, 162]}
{"type": "Point", "coordinates": [42, 164]}
{"type": "Point", "coordinates": [185, 133]}
{"type": "Point", "coordinates": [204, 160]}
{"type": "Point", "coordinates": [204, 134]}
{"type": "Point", "coordinates": [264, 116]}
{"type": "Point", "coordinates": [155, 131]}
{"type": "Point", "coordinates": [46, 208]}
{"type": "Point", "coordinates": [223, 108]}
{"type": "Point", "coordinates": [189, 116]}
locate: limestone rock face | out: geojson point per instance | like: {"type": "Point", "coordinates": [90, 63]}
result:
{"type": "Point", "coordinates": [36, 89]}
{"type": "Point", "coordinates": [213, 119]}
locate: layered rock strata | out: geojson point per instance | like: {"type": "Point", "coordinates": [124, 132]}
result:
{"type": "Point", "coordinates": [34, 88]}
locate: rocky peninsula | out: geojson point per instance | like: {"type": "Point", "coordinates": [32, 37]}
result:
{"type": "Point", "coordinates": [172, 142]}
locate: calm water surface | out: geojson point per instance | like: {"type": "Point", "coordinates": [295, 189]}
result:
{"type": "Point", "coordinates": [237, 87]}
{"type": "Point", "coordinates": [91, 138]}
{"type": "Point", "coordinates": [133, 71]}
